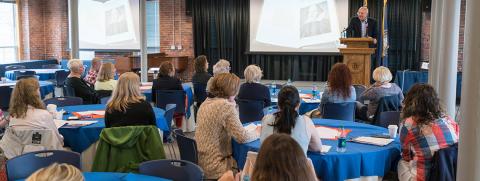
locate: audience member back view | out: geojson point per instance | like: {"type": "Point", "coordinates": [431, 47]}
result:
{"type": "Point", "coordinates": [128, 107]}
{"type": "Point", "coordinates": [252, 89]}
{"type": "Point", "coordinates": [81, 88]}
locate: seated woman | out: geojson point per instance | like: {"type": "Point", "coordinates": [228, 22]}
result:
{"type": "Point", "coordinates": [166, 80]}
{"type": "Point", "coordinates": [27, 111]}
{"type": "Point", "coordinates": [105, 78]}
{"type": "Point", "coordinates": [339, 88]}
{"type": "Point", "coordinates": [287, 121]}
{"type": "Point", "coordinates": [217, 123]}
{"type": "Point", "coordinates": [253, 89]}
{"type": "Point", "coordinates": [280, 158]}
{"type": "Point", "coordinates": [381, 88]}
{"type": "Point", "coordinates": [201, 75]}
{"type": "Point", "coordinates": [127, 106]}
{"type": "Point", "coordinates": [425, 129]}
{"type": "Point", "coordinates": [80, 86]}
{"type": "Point", "coordinates": [91, 76]}
{"type": "Point", "coordinates": [57, 172]}
{"type": "Point", "coordinates": [222, 66]}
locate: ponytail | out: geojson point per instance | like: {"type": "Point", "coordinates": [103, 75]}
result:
{"type": "Point", "coordinates": [285, 119]}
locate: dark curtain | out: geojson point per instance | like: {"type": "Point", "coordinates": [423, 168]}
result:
{"type": "Point", "coordinates": [221, 30]}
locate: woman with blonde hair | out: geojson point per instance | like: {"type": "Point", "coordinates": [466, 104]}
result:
{"type": "Point", "coordinates": [217, 123]}
{"type": "Point", "coordinates": [27, 109]}
{"type": "Point", "coordinates": [57, 172]}
{"type": "Point", "coordinates": [127, 106]}
{"type": "Point", "coordinates": [253, 89]}
{"type": "Point", "coordinates": [105, 78]}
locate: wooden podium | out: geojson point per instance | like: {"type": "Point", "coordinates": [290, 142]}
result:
{"type": "Point", "coordinates": [357, 55]}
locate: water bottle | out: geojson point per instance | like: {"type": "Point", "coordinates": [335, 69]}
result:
{"type": "Point", "coordinates": [342, 141]}
{"type": "Point", "coordinates": [314, 92]}
{"type": "Point", "coordinates": [273, 87]}
{"type": "Point", "coordinates": [289, 82]}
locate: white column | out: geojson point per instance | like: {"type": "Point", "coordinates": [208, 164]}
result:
{"type": "Point", "coordinates": [435, 32]}
{"type": "Point", "coordinates": [143, 40]}
{"type": "Point", "coordinates": [469, 149]}
{"type": "Point", "coordinates": [73, 24]}
{"type": "Point", "coordinates": [444, 69]}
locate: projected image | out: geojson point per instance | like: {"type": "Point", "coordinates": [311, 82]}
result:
{"type": "Point", "coordinates": [314, 20]}
{"type": "Point", "coordinates": [116, 21]}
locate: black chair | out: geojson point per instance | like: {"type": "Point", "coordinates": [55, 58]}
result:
{"type": "Point", "coordinates": [104, 100]}
{"type": "Point", "coordinates": [14, 67]}
{"type": "Point", "coordinates": [172, 170]}
{"type": "Point", "coordinates": [23, 74]}
{"type": "Point", "coordinates": [359, 89]}
{"type": "Point", "coordinates": [64, 101]}
{"type": "Point", "coordinates": [60, 77]}
{"type": "Point", "coordinates": [250, 110]}
{"type": "Point", "coordinates": [24, 165]}
{"type": "Point", "coordinates": [5, 93]}
{"type": "Point", "coordinates": [177, 97]}
{"type": "Point", "coordinates": [387, 103]}
{"type": "Point", "coordinates": [103, 93]}
{"type": "Point", "coordinates": [187, 147]}
{"type": "Point", "coordinates": [342, 111]}
{"type": "Point", "coordinates": [169, 111]}
{"type": "Point", "coordinates": [444, 164]}
{"type": "Point", "coordinates": [68, 91]}
{"type": "Point", "coordinates": [51, 66]}
{"type": "Point", "coordinates": [389, 118]}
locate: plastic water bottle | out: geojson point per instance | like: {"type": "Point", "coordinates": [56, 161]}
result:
{"type": "Point", "coordinates": [273, 88]}
{"type": "Point", "coordinates": [342, 141]}
{"type": "Point", "coordinates": [289, 82]}
{"type": "Point", "coordinates": [314, 92]}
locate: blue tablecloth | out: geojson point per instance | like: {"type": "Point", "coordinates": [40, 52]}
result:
{"type": "Point", "coordinates": [186, 87]}
{"type": "Point", "coordinates": [359, 159]}
{"type": "Point", "coordinates": [304, 107]}
{"type": "Point", "coordinates": [45, 89]}
{"type": "Point", "coordinates": [113, 176]}
{"type": "Point", "coordinates": [406, 79]}
{"type": "Point", "coordinates": [79, 139]}
{"type": "Point", "coordinates": [43, 74]}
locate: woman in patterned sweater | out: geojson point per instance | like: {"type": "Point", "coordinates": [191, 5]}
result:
{"type": "Point", "coordinates": [217, 123]}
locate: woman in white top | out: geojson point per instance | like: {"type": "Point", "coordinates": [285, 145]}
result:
{"type": "Point", "coordinates": [288, 121]}
{"type": "Point", "coordinates": [27, 111]}
{"type": "Point", "coordinates": [105, 79]}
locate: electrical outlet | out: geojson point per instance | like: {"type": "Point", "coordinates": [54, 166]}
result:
{"type": "Point", "coordinates": [179, 47]}
{"type": "Point", "coordinates": [172, 47]}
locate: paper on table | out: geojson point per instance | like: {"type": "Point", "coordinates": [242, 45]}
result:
{"type": "Point", "coordinates": [326, 148]}
{"type": "Point", "coordinates": [372, 140]}
{"type": "Point", "coordinates": [87, 113]}
{"type": "Point", "coordinates": [311, 100]}
{"type": "Point", "coordinates": [274, 99]}
{"type": "Point", "coordinates": [251, 127]}
{"type": "Point", "coordinates": [305, 96]}
{"type": "Point", "coordinates": [59, 123]}
{"type": "Point", "coordinates": [327, 133]}
{"type": "Point", "coordinates": [80, 123]}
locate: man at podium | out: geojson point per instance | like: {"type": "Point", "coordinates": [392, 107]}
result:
{"type": "Point", "coordinates": [362, 26]}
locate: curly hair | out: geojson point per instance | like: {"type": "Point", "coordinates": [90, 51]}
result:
{"type": "Point", "coordinates": [200, 63]}
{"type": "Point", "coordinates": [224, 85]}
{"type": "Point", "coordinates": [25, 94]}
{"type": "Point", "coordinates": [340, 80]}
{"type": "Point", "coordinates": [422, 103]}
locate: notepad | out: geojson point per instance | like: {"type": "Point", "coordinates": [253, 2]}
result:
{"type": "Point", "coordinates": [59, 123]}
{"type": "Point", "coordinates": [325, 148]}
{"type": "Point", "coordinates": [311, 100]}
{"type": "Point", "coordinates": [372, 140]}
{"type": "Point", "coordinates": [327, 133]}
{"type": "Point", "coordinates": [251, 127]}
{"type": "Point", "coordinates": [76, 124]}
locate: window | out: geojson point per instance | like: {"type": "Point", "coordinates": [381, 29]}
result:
{"type": "Point", "coordinates": [153, 32]}
{"type": "Point", "coordinates": [8, 38]}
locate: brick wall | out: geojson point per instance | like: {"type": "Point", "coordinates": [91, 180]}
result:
{"type": "Point", "coordinates": [43, 29]}
{"type": "Point", "coordinates": [426, 27]}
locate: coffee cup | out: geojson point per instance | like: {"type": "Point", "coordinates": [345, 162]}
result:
{"type": "Point", "coordinates": [52, 108]}
{"type": "Point", "coordinates": [392, 131]}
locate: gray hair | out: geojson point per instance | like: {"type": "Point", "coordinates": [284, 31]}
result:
{"type": "Point", "coordinates": [252, 74]}
{"type": "Point", "coordinates": [222, 66]}
{"type": "Point", "coordinates": [75, 65]}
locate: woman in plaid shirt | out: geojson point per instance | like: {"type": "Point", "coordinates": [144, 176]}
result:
{"type": "Point", "coordinates": [424, 130]}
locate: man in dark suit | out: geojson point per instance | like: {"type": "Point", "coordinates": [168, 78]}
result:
{"type": "Point", "coordinates": [362, 25]}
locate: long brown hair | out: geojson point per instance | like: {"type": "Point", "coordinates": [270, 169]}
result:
{"type": "Point", "coordinates": [281, 158]}
{"type": "Point", "coordinates": [126, 92]}
{"type": "Point", "coordinates": [200, 63]}
{"type": "Point", "coordinates": [422, 104]}
{"type": "Point", "coordinates": [340, 80]}
{"type": "Point", "coordinates": [106, 72]}
{"type": "Point", "coordinates": [166, 68]}
{"type": "Point", "coordinates": [25, 94]}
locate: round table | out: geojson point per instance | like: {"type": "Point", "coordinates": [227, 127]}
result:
{"type": "Point", "coordinates": [43, 74]}
{"type": "Point", "coordinates": [147, 91]}
{"type": "Point", "coordinates": [45, 89]}
{"type": "Point", "coordinates": [359, 159]}
{"type": "Point", "coordinates": [80, 138]}
{"type": "Point", "coordinates": [114, 176]}
{"type": "Point", "coordinates": [304, 106]}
